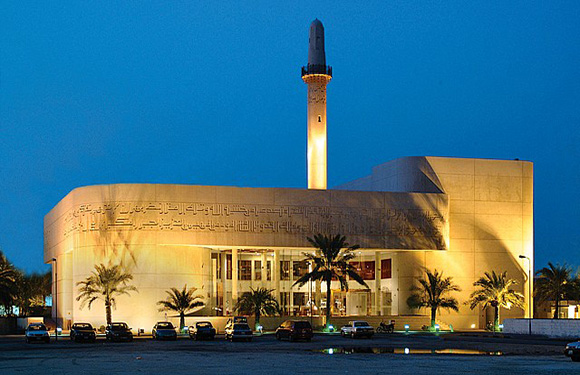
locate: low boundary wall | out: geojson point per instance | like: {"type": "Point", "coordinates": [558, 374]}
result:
{"type": "Point", "coordinates": [548, 327]}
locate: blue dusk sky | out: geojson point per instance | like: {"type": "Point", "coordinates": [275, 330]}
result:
{"type": "Point", "coordinates": [209, 93]}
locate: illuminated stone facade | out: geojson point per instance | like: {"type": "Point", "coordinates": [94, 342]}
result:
{"type": "Point", "coordinates": [462, 216]}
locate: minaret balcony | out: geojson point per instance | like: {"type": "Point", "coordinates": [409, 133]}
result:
{"type": "Point", "coordinates": [316, 69]}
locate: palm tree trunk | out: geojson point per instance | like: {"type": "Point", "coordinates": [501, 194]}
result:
{"type": "Point", "coordinates": [257, 313]}
{"type": "Point", "coordinates": [557, 310]}
{"type": "Point", "coordinates": [108, 311]}
{"type": "Point", "coordinates": [328, 305]}
{"type": "Point", "coordinates": [181, 320]}
{"type": "Point", "coordinates": [495, 318]}
{"type": "Point", "coordinates": [433, 316]}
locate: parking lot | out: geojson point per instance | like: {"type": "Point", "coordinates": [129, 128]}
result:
{"type": "Point", "coordinates": [265, 355]}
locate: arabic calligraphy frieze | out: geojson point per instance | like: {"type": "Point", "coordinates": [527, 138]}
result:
{"type": "Point", "coordinates": [248, 218]}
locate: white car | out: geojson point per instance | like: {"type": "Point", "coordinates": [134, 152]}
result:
{"type": "Point", "coordinates": [37, 332]}
{"type": "Point", "coordinates": [573, 351]}
{"type": "Point", "coordinates": [357, 328]}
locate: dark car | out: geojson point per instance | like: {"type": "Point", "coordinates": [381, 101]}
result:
{"type": "Point", "coordinates": [202, 330]}
{"type": "Point", "coordinates": [294, 330]}
{"type": "Point", "coordinates": [83, 332]}
{"type": "Point", "coordinates": [164, 331]}
{"type": "Point", "coordinates": [118, 332]}
{"type": "Point", "coordinates": [239, 331]}
{"type": "Point", "coordinates": [37, 332]}
{"type": "Point", "coordinates": [573, 351]}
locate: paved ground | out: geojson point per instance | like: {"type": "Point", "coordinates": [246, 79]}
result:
{"type": "Point", "coordinates": [265, 355]}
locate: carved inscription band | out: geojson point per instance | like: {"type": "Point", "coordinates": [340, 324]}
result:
{"type": "Point", "coordinates": [203, 217]}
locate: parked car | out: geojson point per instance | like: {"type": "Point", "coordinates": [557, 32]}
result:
{"type": "Point", "coordinates": [239, 331]}
{"type": "Point", "coordinates": [83, 332]}
{"type": "Point", "coordinates": [357, 328]}
{"type": "Point", "coordinates": [573, 351]}
{"type": "Point", "coordinates": [164, 331]}
{"type": "Point", "coordinates": [36, 332]}
{"type": "Point", "coordinates": [202, 330]}
{"type": "Point", "coordinates": [294, 330]}
{"type": "Point", "coordinates": [118, 332]}
{"type": "Point", "coordinates": [236, 319]}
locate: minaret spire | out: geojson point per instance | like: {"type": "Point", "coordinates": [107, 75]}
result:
{"type": "Point", "coordinates": [316, 75]}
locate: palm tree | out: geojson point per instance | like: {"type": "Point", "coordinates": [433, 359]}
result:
{"type": "Point", "coordinates": [8, 285]}
{"type": "Point", "coordinates": [495, 290]}
{"type": "Point", "coordinates": [32, 292]}
{"type": "Point", "coordinates": [105, 283]}
{"type": "Point", "coordinates": [181, 301]}
{"type": "Point", "coordinates": [556, 283]}
{"type": "Point", "coordinates": [331, 260]}
{"type": "Point", "coordinates": [259, 302]}
{"type": "Point", "coordinates": [431, 293]}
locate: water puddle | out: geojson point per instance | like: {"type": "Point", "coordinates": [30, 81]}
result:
{"type": "Point", "coordinates": [408, 351]}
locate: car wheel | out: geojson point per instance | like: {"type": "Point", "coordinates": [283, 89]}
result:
{"type": "Point", "coordinates": [291, 337]}
{"type": "Point", "coordinates": [575, 358]}
{"type": "Point", "coordinates": [278, 336]}
{"type": "Point", "coordinates": [342, 333]}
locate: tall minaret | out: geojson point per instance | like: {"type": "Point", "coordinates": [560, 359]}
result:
{"type": "Point", "coordinates": [316, 75]}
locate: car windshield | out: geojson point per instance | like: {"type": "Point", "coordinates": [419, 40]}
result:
{"type": "Point", "coordinates": [36, 327]}
{"type": "Point", "coordinates": [203, 325]}
{"type": "Point", "coordinates": [301, 325]}
{"type": "Point", "coordinates": [240, 319]}
{"type": "Point", "coordinates": [361, 324]}
{"type": "Point", "coordinates": [82, 326]}
{"type": "Point", "coordinates": [119, 326]}
{"type": "Point", "coordinates": [165, 325]}
{"type": "Point", "coordinates": [241, 327]}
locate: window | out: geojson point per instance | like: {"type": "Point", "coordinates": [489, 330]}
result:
{"type": "Point", "coordinates": [365, 269]}
{"type": "Point", "coordinates": [298, 299]}
{"type": "Point", "coordinates": [268, 270]}
{"type": "Point", "coordinates": [284, 297]}
{"type": "Point", "coordinates": [386, 269]}
{"type": "Point", "coordinates": [229, 266]}
{"type": "Point", "coordinates": [319, 118]}
{"type": "Point", "coordinates": [245, 270]}
{"type": "Point", "coordinates": [299, 269]}
{"type": "Point", "coordinates": [218, 266]}
{"type": "Point", "coordinates": [284, 270]}
{"type": "Point", "coordinates": [257, 270]}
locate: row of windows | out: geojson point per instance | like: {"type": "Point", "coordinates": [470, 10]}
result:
{"type": "Point", "coordinates": [365, 269]}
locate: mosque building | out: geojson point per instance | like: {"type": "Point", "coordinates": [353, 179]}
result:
{"type": "Point", "coordinates": [457, 215]}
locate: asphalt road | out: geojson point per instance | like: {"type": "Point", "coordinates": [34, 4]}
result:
{"type": "Point", "coordinates": [265, 355]}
